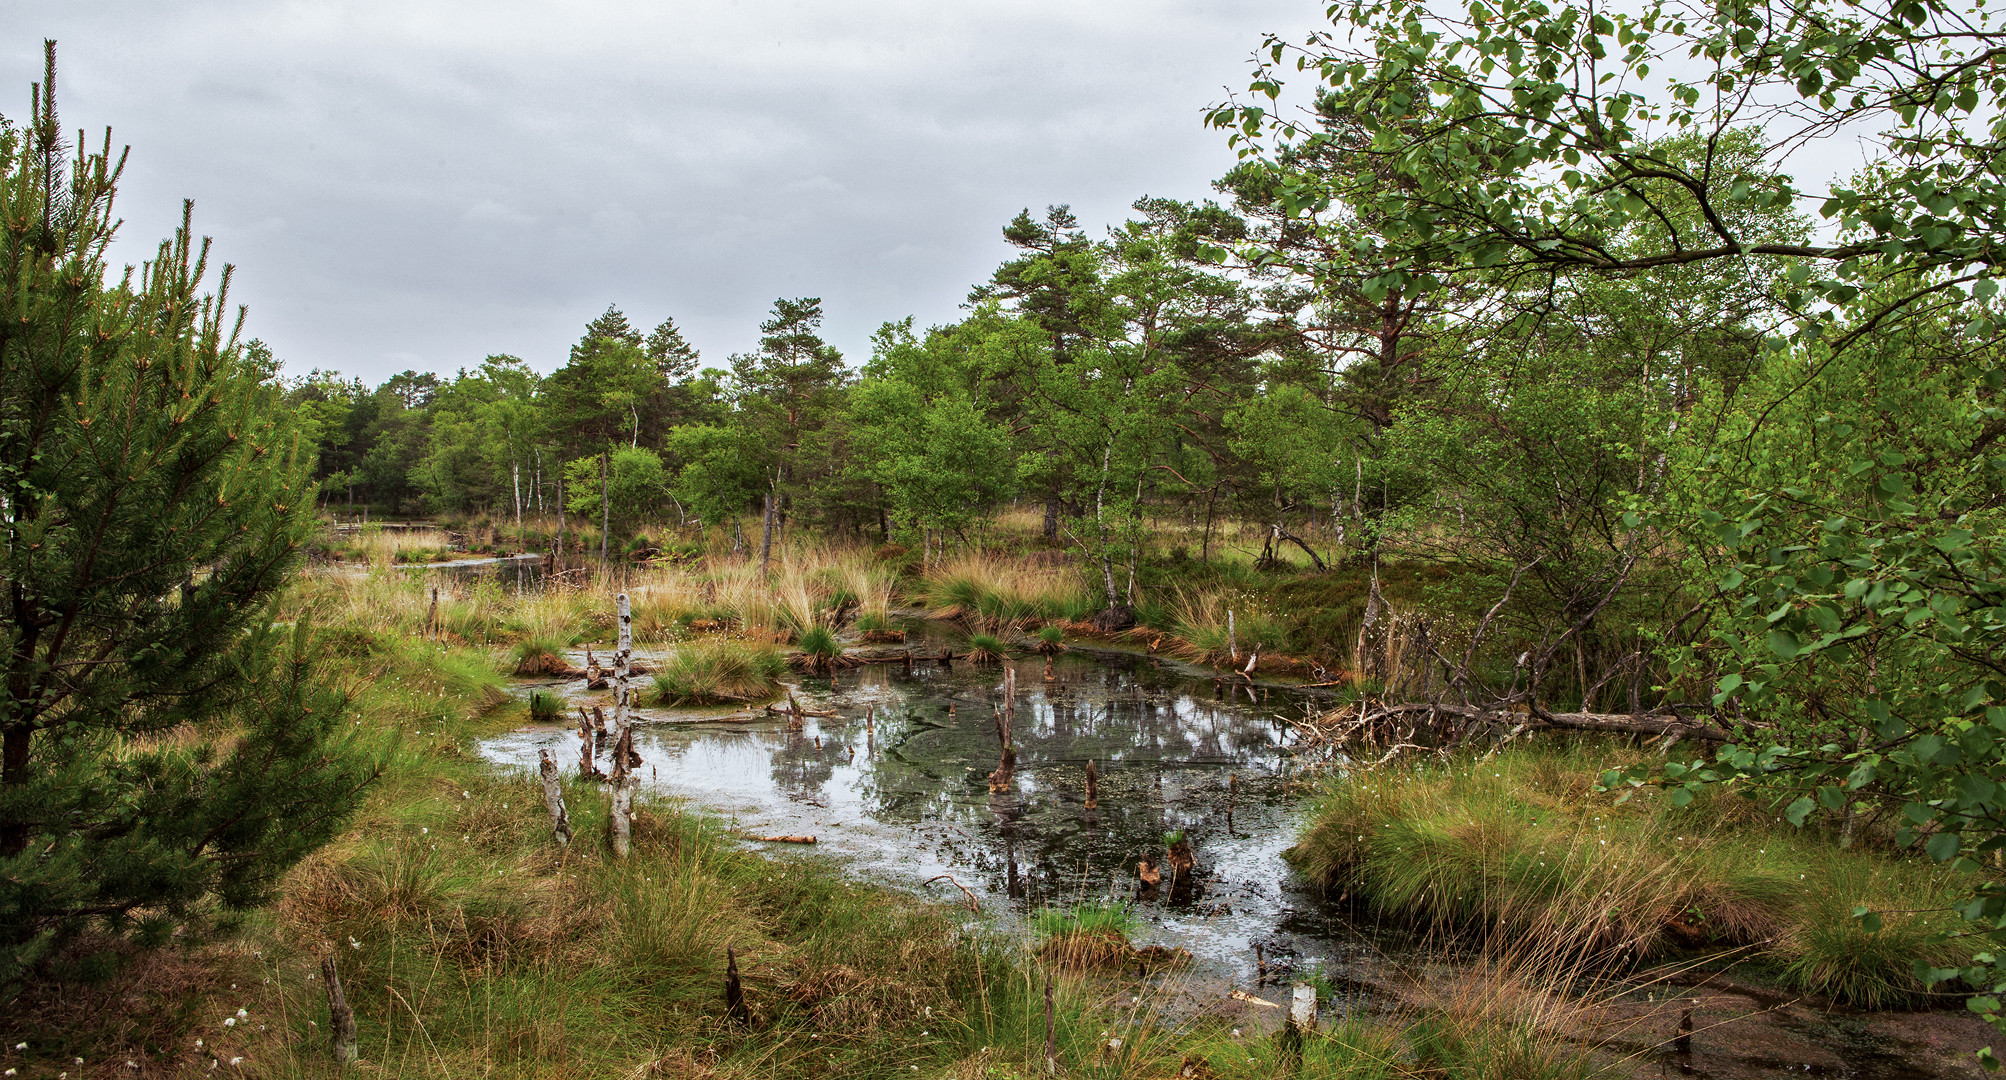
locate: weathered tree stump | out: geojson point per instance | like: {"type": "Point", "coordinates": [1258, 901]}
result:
{"type": "Point", "coordinates": [340, 1018]}
{"type": "Point", "coordinates": [553, 798]}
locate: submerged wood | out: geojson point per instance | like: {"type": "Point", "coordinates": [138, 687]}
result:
{"type": "Point", "coordinates": [1093, 785]}
{"type": "Point", "coordinates": [795, 710]}
{"type": "Point", "coordinates": [973, 904]}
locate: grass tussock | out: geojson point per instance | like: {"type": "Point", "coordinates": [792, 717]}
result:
{"type": "Point", "coordinates": [1518, 847]}
{"type": "Point", "coordinates": [711, 671]}
{"type": "Point", "coordinates": [993, 592]}
{"type": "Point", "coordinates": [1203, 632]}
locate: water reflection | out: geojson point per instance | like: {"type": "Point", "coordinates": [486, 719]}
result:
{"type": "Point", "coordinates": [909, 796]}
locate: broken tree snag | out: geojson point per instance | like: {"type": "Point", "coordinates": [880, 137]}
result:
{"type": "Point", "coordinates": [553, 797]}
{"type": "Point", "coordinates": [340, 1018]}
{"type": "Point", "coordinates": [1093, 785]}
{"type": "Point", "coordinates": [1302, 1008]}
{"type": "Point", "coordinates": [1179, 859]}
{"type": "Point", "coordinates": [586, 769]}
{"type": "Point", "coordinates": [1150, 875]}
{"type": "Point", "coordinates": [734, 993]}
{"type": "Point", "coordinates": [432, 617]}
{"type": "Point", "coordinates": [870, 719]}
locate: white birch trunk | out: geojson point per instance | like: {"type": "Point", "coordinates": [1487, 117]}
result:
{"type": "Point", "coordinates": [1302, 1008]}
{"type": "Point", "coordinates": [623, 745]}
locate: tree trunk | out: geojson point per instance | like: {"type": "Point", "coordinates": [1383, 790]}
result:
{"type": "Point", "coordinates": [605, 510]}
{"type": "Point", "coordinates": [766, 534]}
{"type": "Point", "coordinates": [623, 735]}
{"type": "Point", "coordinates": [560, 518]}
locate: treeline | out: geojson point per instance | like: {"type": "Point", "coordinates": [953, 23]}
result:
{"type": "Point", "coordinates": [1098, 380]}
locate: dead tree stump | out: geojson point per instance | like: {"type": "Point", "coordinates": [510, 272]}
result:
{"type": "Point", "coordinates": [340, 1018]}
{"type": "Point", "coordinates": [553, 797]}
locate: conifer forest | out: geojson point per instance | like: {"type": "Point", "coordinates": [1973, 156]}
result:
{"type": "Point", "coordinates": [1510, 586]}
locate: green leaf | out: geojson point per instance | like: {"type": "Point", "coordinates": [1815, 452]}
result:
{"type": "Point", "coordinates": [1782, 642]}
{"type": "Point", "coordinates": [1942, 847]}
{"type": "Point", "coordinates": [1796, 812]}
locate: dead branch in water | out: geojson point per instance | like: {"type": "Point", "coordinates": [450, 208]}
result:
{"type": "Point", "coordinates": [973, 904]}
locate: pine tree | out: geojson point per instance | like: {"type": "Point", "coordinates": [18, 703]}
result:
{"type": "Point", "coordinates": [675, 358]}
{"type": "Point", "coordinates": [612, 324]}
{"type": "Point", "coordinates": [153, 500]}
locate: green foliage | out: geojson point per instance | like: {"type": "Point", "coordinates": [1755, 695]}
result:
{"type": "Point", "coordinates": [635, 486]}
{"type": "Point", "coordinates": [169, 752]}
{"type": "Point", "coordinates": [942, 463]}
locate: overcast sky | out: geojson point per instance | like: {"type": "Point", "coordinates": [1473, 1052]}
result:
{"type": "Point", "coordinates": [417, 184]}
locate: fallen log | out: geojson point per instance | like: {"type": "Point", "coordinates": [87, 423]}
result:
{"type": "Point", "coordinates": [1619, 723]}
{"type": "Point", "coordinates": [782, 839]}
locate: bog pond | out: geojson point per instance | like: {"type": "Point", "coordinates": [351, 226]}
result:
{"type": "Point", "coordinates": [893, 780]}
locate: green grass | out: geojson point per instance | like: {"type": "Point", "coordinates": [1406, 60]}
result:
{"type": "Point", "coordinates": [1519, 848]}
{"type": "Point", "coordinates": [1112, 916]}
{"type": "Point", "coordinates": [546, 707]}
{"type": "Point", "coordinates": [708, 671]}
{"type": "Point", "coordinates": [985, 648]}
{"type": "Point", "coordinates": [819, 644]}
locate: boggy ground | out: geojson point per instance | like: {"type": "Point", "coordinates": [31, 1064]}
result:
{"type": "Point", "coordinates": [470, 943]}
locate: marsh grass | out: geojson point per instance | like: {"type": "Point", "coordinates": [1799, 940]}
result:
{"type": "Point", "coordinates": [985, 648]}
{"type": "Point", "coordinates": [992, 591]}
{"type": "Point", "coordinates": [1518, 847]}
{"type": "Point", "coordinates": [710, 671]}
{"type": "Point", "coordinates": [1198, 622]}
{"type": "Point", "coordinates": [545, 706]}
{"type": "Point", "coordinates": [818, 648]}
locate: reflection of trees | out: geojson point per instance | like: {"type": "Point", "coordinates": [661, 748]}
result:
{"type": "Point", "coordinates": [1164, 748]}
{"type": "Point", "coordinates": [800, 767]}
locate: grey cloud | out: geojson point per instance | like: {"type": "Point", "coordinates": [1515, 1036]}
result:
{"type": "Point", "coordinates": [420, 183]}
